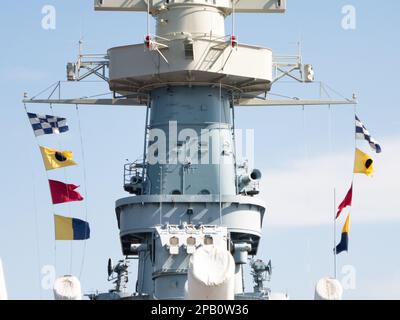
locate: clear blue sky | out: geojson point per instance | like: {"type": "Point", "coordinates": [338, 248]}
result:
{"type": "Point", "coordinates": [299, 164]}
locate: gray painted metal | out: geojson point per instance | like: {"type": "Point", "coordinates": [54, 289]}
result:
{"type": "Point", "coordinates": [212, 61]}
{"type": "Point", "coordinates": [247, 6]}
{"type": "Point", "coordinates": [293, 102]}
{"type": "Point", "coordinates": [187, 194]}
{"type": "Point", "coordinates": [92, 102]}
{"type": "Point", "coordinates": [241, 103]}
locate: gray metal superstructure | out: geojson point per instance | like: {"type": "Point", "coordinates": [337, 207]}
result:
{"type": "Point", "coordinates": [192, 193]}
{"type": "Point", "coordinates": [189, 190]}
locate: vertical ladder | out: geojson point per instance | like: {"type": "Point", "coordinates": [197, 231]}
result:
{"type": "Point", "coordinates": [213, 54]}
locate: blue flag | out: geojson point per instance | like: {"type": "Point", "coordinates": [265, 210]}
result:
{"type": "Point", "coordinates": [71, 228]}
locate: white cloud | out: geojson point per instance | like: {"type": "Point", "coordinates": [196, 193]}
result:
{"type": "Point", "coordinates": [302, 193]}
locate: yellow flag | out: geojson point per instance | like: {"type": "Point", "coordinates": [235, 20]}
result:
{"type": "Point", "coordinates": [363, 163]}
{"type": "Point", "coordinates": [63, 228]}
{"type": "Point", "coordinates": [346, 227]}
{"type": "Point", "coordinates": [54, 159]}
{"type": "Point", "coordinates": [71, 228]}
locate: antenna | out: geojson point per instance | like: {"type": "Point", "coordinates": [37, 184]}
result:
{"type": "Point", "coordinates": [234, 41]}
{"type": "Point", "coordinates": [80, 45]}
{"type": "Point", "coordinates": [110, 268]}
{"type": "Point", "coordinates": [148, 21]}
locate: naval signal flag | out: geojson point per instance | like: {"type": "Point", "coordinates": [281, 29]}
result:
{"type": "Point", "coordinates": [46, 124]}
{"type": "Point", "coordinates": [363, 163]}
{"type": "Point", "coordinates": [346, 202]}
{"type": "Point", "coordinates": [54, 159]}
{"type": "Point", "coordinates": [344, 241]}
{"type": "Point", "coordinates": [71, 228]}
{"type": "Point", "coordinates": [61, 192]}
{"type": "Point", "coordinates": [363, 134]}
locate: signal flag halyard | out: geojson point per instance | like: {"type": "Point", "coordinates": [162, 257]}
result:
{"type": "Point", "coordinates": [71, 228]}
{"type": "Point", "coordinates": [54, 159]}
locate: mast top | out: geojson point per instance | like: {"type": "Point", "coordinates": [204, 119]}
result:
{"type": "Point", "coordinates": [154, 6]}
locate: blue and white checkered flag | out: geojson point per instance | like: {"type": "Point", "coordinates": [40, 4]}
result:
{"type": "Point", "coordinates": [45, 124]}
{"type": "Point", "coordinates": [363, 134]}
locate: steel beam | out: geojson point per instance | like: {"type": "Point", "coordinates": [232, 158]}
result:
{"type": "Point", "coordinates": [242, 102]}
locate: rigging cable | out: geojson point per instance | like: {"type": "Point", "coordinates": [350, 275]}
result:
{"type": "Point", "coordinates": [355, 147]}
{"type": "Point", "coordinates": [355, 134]}
{"type": "Point", "coordinates": [330, 139]}
{"type": "Point", "coordinates": [43, 91]}
{"type": "Point", "coordinates": [36, 218]}
{"type": "Point", "coordinates": [85, 190]}
{"type": "Point", "coordinates": [68, 204]}
{"type": "Point", "coordinates": [306, 197]}
{"type": "Point", "coordinates": [220, 152]}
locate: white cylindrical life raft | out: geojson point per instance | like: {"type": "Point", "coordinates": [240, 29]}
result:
{"type": "Point", "coordinates": [3, 289]}
{"type": "Point", "coordinates": [211, 274]}
{"type": "Point", "coordinates": [67, 288]}
{"type": "Point", "coordinates": [328, 289]}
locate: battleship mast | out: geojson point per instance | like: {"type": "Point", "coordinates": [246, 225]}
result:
{"type": "Point", "coordinates": [192, 194]}
{"type": "Point", "coordinates": [188, 191]}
